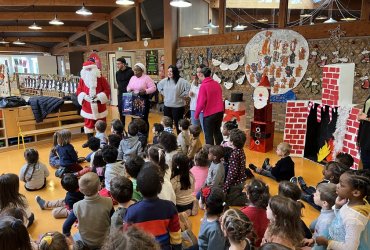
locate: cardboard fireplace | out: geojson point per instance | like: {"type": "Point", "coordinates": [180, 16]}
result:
{"type": "Point", "coordinates": [320, 129]}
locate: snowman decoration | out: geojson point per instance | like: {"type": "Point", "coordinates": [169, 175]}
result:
{"type": "Point", "coordinates": [235, 110]}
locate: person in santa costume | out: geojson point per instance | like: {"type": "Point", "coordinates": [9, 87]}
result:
{"type": "Point", "coordinates": [92, 94]}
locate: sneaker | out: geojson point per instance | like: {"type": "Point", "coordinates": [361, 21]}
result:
{"type": "Point", "coordinates": [40, 201]}
{"type": "Point", "coordinates": [195, 209]}
{"type": "Point", "coordinates": [253, 167]}
{"type": "Point", "coordinates": [81, 159]}
{"type": "Point", "coordinates": [294, 180]}
{"type": "Point", "coordinates": [266, 162]}
{"type": "Point", "coordinates": [301, 182]}
{"type": "Point", "coordinates": [249, 173]}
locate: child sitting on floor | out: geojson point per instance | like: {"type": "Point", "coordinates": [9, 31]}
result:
{"type": "Point", "coordinates": [133, 167]}
{"type": "Point", "coordinates": [52, 241]}
{"type": "Point", "coordinates": [236, 177]}
{"type": "Point", "coordinates": [53, 156]}
{"type": "Point", "coordinates": [182, 183]}
{"type": "Point", "coordinates": [67, 154]}
{"type": "Point", "coordinates": [142, 131]}
{"type": "Point", "coordinates": [130, 144]}
{"type": "Point", "coordinates": [183, 139]}
{"type": "Point", "coordinates": [345, 159]}
{"type": "Point", "coordinates": [122, 190]}
{"type": "Point", "coordinates": [216, 172]}
{"type": "Point", "coordinates": [168, 142]}
{"type": "Point", "coordinates": [112, 168]}
{"type": "Point", "coordinates": [93, 214]}
{"type": "Point", "coordinates": [324, 197]}
{"type": "Point", "coordinates": [162, 221]}
{"type": "Point", "coordinates": [258, 198]}
{"type": "Point", "coordinates": [33, 173]}
{"type": "Point", "coordinates": [117, 128]}
{"type": "Point", "coordinates": [226, 128]}
{"type": "Point", "coordinates": [352, 211]}
{"type": "Point", "coordinates": [93, 144]}
{"type": "Point", "coordinates": [210, 233]}
{"type": "Point", "coordinates": [114, 140]}
{"type": "Point", "coordinates": [157, 130]}
{"type": "Point", "coordinates": [200, 171]}
{"type": "Point", "coordinates": [284, 168]}
{"type": "Point", "coordinates": [167, 123]}
{"type": "Point", "coordinates": [62, 207]}
{"type": "Point", "coordinates": [195, 145]}
{"type": "Point", "coordinates": [100, 127]}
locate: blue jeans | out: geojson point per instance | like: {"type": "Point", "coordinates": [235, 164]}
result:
{"type": "Point", "coordinates": [195, 121]}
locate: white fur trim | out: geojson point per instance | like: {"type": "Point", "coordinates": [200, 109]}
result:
{"type": "Point", "coordinates": [94, 109]}
{"type": "Point", "coordinates": [102, 97]}
{"type": "Point", "coordinates": [88, 130]}
{"type": "Point", "coordinates": [94, 117]}
{"type": "Point", "coordinates": [90, 66]}
{"type": "Point", "coordinates": [81, 97]}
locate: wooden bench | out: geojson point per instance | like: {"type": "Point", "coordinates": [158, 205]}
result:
{"type": "Point", "coordinates": [53, 118]}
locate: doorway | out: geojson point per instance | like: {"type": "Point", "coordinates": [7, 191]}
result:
{"type": "Point", "coordinates": [130, 60]}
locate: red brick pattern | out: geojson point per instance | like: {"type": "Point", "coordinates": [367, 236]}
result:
{"type": "Point", "coordinates": [330, 86]}
{"type": "Point", "coordinates": [296, 126]}
{"type": "Point", "coordinates": [350, 139]}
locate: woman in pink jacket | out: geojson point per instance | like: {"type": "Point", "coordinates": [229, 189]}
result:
{"type": "Point", "coordinates": [141, 84]}
{"type": "Point", "coordinates": [211, 103]}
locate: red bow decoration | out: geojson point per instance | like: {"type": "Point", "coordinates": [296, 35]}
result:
{"type": "Point", "coordinates": [205, 192]}
{"type": "Point", "coordinates": [230, 114]}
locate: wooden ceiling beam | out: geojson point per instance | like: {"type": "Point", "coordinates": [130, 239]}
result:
{"type": "Point", "coordinates": [99, 3]}
{"type": "Point", "coordinates": [247, 4]}
{"type": "Point", "coordinates": [119, 11]}
{"type": "Point", "coordinates": [123, 28]}
{"type": "Point", "coordinates": [99, 35]}
{"type": "Point", "coordinates": [66, 29]}
{"type": "Point", "coordinates": [17, 49]}
{"type": "Point", "coordinates": [38, 39]}
{"type": "Point", "coordinates": [146, 20]}
{"type": "Point", "coordinates": [65, 16]}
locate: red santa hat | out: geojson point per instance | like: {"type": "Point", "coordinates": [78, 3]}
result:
{"type": "Point", "coordinates": [264, 82]}
{"type": "Point", "coordinates": [89, 65]}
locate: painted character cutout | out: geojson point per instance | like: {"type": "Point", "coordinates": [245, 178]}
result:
{"type": "Point", "coordinates": [254, 67]}
{"type": "Point", "coordinates": [278, 72]}
{"type": "Point", "coordinates": [298, 71]}
{"type": "Point", "coordinates": [267, 60]}
{"type": "Point", "coordinates": [284, 61]}
{"type": "Point", "coordinates": [272, 69]}
{"type": "Point", "coordinates": [289, 71]}
{"type": "Point", "coordinates": [266, 43]}
{"type": "Point", "coordinates": [292, 82]}
{"type": "Point", "coordinates": [301, 53]}
{"type": "Point", "coordinates": [292, 58]}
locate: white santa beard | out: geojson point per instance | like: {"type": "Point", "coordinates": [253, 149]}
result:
{"type": "Point", "coordinates": [90, 79]}
{"type": "Point", "coordinates": [260, 102]}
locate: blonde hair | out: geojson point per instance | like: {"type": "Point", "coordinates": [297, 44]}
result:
{"type": "Point", "coordinates": [89, 184]}
{"type": "Point", "coordinates": [285, 148]}
{"type": "Point", "coordinates": [64, 137]}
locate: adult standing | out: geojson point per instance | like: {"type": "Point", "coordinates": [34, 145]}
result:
{"type": "Point", "coordinates": [174, 89]}
{"type": "Point", "coordinates": [211, 103]}
{"type": "Point", "coordinates": [142, 85]}
{"type": "Point", "coordinates": [193, 94]}
{"type": "Point", "coordinates": [92, 94]}
{"type": "Point", "coordinates": [364, 134]}
{"type": "Point", "coordinates": [123, 76]}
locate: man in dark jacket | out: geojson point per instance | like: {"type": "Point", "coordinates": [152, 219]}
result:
{"type": "Point", "coordinates": [123, 76]}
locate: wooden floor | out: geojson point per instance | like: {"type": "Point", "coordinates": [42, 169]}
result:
{"type": "Point", "coordinates": [12, 161]}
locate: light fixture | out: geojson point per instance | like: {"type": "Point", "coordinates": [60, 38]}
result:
{"type": "Point", "coordinates": [305, 15]}
{"type": "Point", "coordinates": [263, 20]}
{"type": "Point", "coordinates": [203, 32]}
{"type": "Point", "coordinates": [239, 27]}
{"type": "Point", "coordinates": [197, 28]}
{"type": "Point", "coordinates": [83, 11]}
{"type": "Point", "coordinates": [330, 20]}
{"type": "Point", "coordinates": [18, 42]}
{"type": "Point", "coordinates": [3, 41]}
{"type": "Point", "coordinates": [228, 26]}
{"type": "Point", "coordinates": [56, 21]}
{"type": "Point", "coordinates": [125, 2]}
{"type": "Point", "coordinates": [321, 18]}
{"type": "Point", "coordinates": [312, 23]}
{"type": "Point", "coordinates": [348, 19]}
{"type": "Point", "coordinates": [210, 25]}
{"type": "Point", "coordinates": [180, 3]}
{"type": "Point", "coordinates": [189, 35]}
{"type": "Point", "coordinates": [34, 26]}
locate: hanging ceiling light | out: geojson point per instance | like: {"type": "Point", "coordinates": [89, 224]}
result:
{"type": "Point", "coordinates": [203, 32]}
{"type": "Point", "coordinates": [321, 18]}
{"type": "Point", "coordinates": [305, 15]}
{"type": "Point", "coordinates": [348, 19]}
{"type": "Point", "coordinates": [180, 3]}
{"type": "Point", "coordinates": [3, 41]}
{"type": "Point", "coordinates": [210, 25]}
{"type": "Point", "coordinates": [239, 27]}
{"type": "Point", "coordinates": [18, 42]}
{"type": "Point", "coordinates": [263, 20]}
{"type": "Point", "coordinates": [125, 2]}
{"type": "Point", "coordinates": [83, 11]}
{"type": "Point", "coordinates": [56, 21]}
{"type": "Point", "coordinates": [197, 28]}
{"type": "Point", "coordinates": [228, 26]}
{"type": "Point", "coordinates": [34, 26]}
{"type": "Point", "coordinates": [330, 20]}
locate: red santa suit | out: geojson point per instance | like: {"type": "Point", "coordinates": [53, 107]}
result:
{"type": "Point", "coordinates": [92, 94]}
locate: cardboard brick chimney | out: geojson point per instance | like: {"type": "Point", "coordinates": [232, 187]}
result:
{"type": "Point", "coordinates": [337, 90]}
